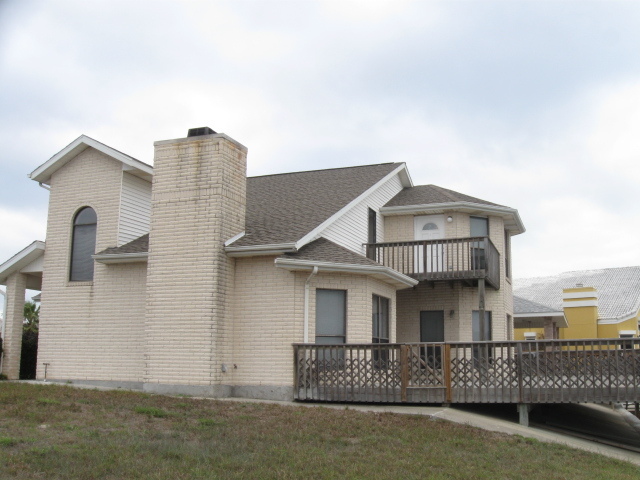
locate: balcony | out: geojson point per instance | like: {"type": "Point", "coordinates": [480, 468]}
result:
{"type": "Point", "coordinates": [466, 259]}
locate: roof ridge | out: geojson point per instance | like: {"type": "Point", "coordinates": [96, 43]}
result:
{"type": "Point", "coordinates": [326, 169]}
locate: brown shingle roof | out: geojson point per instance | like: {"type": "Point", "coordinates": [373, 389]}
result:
{"type": "Point", "coordinates": [283, 208]}
{"type": "Point", "coordinates": [139, 245]}
{"type": "Point", "coordinates": [426, 194]}
{"type": "Point", "coordinates": [323, 250]}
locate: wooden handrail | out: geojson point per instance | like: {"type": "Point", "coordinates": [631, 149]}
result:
{"type": "Point", "coordinates": [465, 258]}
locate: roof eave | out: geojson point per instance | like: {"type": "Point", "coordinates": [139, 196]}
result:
{"type": "Point", "coordinates": [515, 227]}
{"type": "Point", "coordinates": [108, 259]}
{"type": "Point", "coordinates": [43, 173]}
{"type": "Point", "coordinates": [256, 250]}
{"type": "Point", "coordinates": [397, 278]}
{"type": "Point", "coordinates": [21, 259]}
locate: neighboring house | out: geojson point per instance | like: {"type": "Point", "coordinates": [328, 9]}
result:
{"type": "Point", "coordinates": [587, 304]}
{"type": "Point", "coordinates": [204, 278]}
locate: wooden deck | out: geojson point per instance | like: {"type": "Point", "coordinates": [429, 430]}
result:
{"type": "Point", "coordinates": [553, 371]}
{"type": "Point", "coordinates": [466, 259]}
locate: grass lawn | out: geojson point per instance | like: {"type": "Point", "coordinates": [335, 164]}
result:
{"type": "Point", "coordinates": [58, 432]}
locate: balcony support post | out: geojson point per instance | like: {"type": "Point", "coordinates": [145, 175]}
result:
{"type": "Point", "coordinates": [481, 305]}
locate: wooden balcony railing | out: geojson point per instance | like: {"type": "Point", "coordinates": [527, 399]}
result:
{"type": "Point", "coordinates": [548, 371]}
{"type": "Point", "coordinates": [470, 258]}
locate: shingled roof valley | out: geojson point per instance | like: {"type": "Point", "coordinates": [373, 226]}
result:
{"type": "Point", "coordinates": [323, 250]}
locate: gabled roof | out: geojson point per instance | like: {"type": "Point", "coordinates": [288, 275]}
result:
{"type": "Point", "coordinates": [28, 256]}
{"type": "Point", "coordinates": [618, 291]}
{"type": "Point", "coordinates": [432, 199]}
{"type": "Point", "coordinates": [330, 257]}
{"type": "Point", "coordinates": [283, 209]}
{"type": "Point", "coordinates": [43, 173]}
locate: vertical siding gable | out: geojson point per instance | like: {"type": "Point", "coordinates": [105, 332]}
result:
{"type": "Point", "coordinates": [135, 208]}
{"type": "Point", "coordinates": [351, 229]}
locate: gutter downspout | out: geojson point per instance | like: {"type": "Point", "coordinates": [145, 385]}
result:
{"type": "Point", "coordinates": [314, 272]}
{"type": "Point", "coordinates": [40, 184]}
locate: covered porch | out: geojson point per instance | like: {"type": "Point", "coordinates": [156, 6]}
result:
{"type": "Point", "coordinates": [20, 273]}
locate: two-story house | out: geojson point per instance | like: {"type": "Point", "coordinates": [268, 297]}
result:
{"type": "Point", "coordinates": [189, 277]}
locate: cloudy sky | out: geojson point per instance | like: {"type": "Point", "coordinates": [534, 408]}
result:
{"type": "Point", "coordinates": [534, 105]}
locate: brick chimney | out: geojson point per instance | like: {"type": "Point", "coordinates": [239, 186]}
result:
{"type": "Point", "coordinates": [198, 202]}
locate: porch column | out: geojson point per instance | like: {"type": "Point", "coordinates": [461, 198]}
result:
{"type": "Point", "coordinates": [481, 306]}
{"type": "Point", "coordinates": [549, 328]}
{"type": "Point", "coordinates": [14, 317]}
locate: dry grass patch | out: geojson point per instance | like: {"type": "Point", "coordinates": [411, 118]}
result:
{"type": "Point", "coordinates": [59, 432]}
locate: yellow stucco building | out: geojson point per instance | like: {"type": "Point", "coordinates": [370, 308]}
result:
{"type": "Point", "coordinates": [601, 303]}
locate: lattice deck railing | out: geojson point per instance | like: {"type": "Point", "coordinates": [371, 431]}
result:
{"type": "Point", "coordinates": [552, 371]}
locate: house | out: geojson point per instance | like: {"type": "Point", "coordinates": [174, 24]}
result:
{"type": "Point", "coordinates": [602, 303]}
{"type": "Point", "coordinates": [189, 277]}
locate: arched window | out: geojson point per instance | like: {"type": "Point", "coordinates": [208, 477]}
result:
{"type": "Point", "coordinates": [83, 245]}
{"type": "Point", "coordinates": [430, 226]}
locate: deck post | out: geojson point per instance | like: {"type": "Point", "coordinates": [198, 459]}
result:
{"type": "Point", "coordinates": [404, 371]}
{"type": "Point", "coordinates": [523, 413]}
{"type": "Point", "coordinates": [446, 361]}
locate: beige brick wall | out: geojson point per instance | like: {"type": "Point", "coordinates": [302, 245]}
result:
{"type": "Point", "coordinates": [89, 330]}
{"type": "Point", "coordinates": [269, 317]}
{"type": "Point", "coordinates": [360, 290]}
{"type": "Point", "coordinates": [198, 202]}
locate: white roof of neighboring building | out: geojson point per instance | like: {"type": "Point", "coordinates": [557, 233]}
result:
{"type": "Point", "coordinates": [618, 291]}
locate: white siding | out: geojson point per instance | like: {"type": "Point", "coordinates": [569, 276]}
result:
{"type": "Point", "coordinates": [135, 208]}
{"type": "Point", "coordinates": [351, 229]}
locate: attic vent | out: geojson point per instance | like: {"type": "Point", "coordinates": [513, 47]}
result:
{"type": "Point", "coordinates": [196, 132]}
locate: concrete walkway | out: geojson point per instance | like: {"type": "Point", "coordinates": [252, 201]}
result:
{"type": "Point", "coordinates": [611, 418]}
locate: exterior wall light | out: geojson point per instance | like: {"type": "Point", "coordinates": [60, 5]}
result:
{"type": "Point", "coordinates": [449, 219]}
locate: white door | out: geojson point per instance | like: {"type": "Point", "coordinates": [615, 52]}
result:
{"type": "Point", "coordinates": [429, 258]}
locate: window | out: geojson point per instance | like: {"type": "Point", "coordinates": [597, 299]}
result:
{"type": "Point", "coordinates": [372, 233]}
{"type": "Point", "coordinates": [380, 320]}
{"type": "Point", "coordinates": [380, 330]}
{"type": "Point", "coordinates": [430, 226]}
{"type": "Point", "coordinates": [479, 228]}
{"type": "Point", "coordinates": [83, 245]}
{"type": "Point", "coordinates": [627, 334]}
{"type": "Point", "coordinates": [331, 325]}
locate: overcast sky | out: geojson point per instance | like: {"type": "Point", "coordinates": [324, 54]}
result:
{"type": "Point", "coordinates": [534, 105]}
